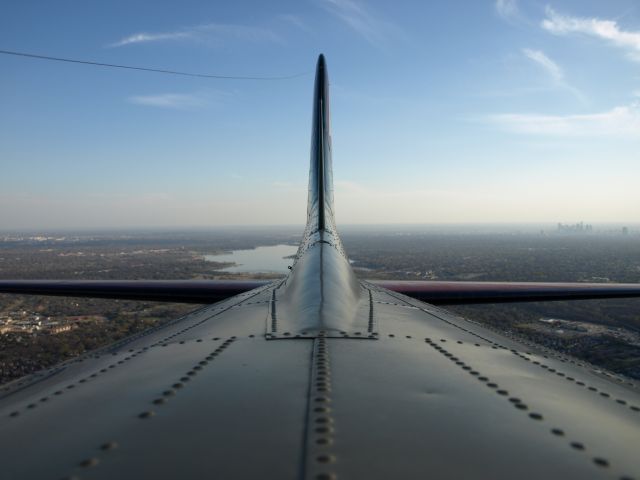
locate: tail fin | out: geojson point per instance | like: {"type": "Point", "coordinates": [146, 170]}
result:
{"type": "Point", "coordinates": [320, 202]}
{"type": "Point", "coordinates": [322, 292]}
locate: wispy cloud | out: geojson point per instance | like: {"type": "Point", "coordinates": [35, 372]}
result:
{"type": "Point", "coordinates": [553, 70]}
{"type": "Point", "coordinates": [507, 9]}
{"type": "Point", "coordinates": [210, 33]}
{"type": "Point", "coordinates": [620, 122]}
{"type": "Point", "coordinates": [180, 101]}
{"type": "Point", "coordinates": [551, 67]}
{"type": "Point", "coordinates": [362, 21]}
{"type": "Point", "coordinates": [608, 30]}
{"type": "Point", "coordinates": [150, 37]}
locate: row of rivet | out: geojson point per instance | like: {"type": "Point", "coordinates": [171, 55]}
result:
{"type": "Point", "coordinates": [80, 382]}
{"type": "Point", "coordinates": [431, 311]}
{"type": "Point", "coordinates": [188, 376]}
{"type": "Point", "coordinates": [308, 242]}
{"type": "Point", "coordinates": [220, 310]}
{"type": "Point", "coordinates": [322, 333]}
{"type": "Point", "coordinates": [520, 340]}
{"type": "Point", "coordinates": [515, 401]}
{"type": "Point", "coordinates": [31, 379]}
{"type": "Point", "coordinates": [569, 378]}
{"type": "Point", "coordinates": [320, 427]}
{"type": "Point", "coordinates": [397, 305]}
{"type": "Point", "coordinates": [244, 304]}
{"type": "Point", "coordinates": [165, 396]}
{"type": "Point", "coordinates": [114, 347]}
{"type": "Point", "coordinates": [371, 323]}
{"type": "Point", "coordinates": [274, 318]}
{"type": "Point", "coordinates": [561, 357]}
{"type": "Point", "coordinates": [580, 383]}
{"type": "Point", "coordinates": [38, 376]}
{"type": "Point", "coordinates": [94, 375]}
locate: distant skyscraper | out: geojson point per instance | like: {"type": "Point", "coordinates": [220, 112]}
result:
{"type": "Point", "coordinates": [580, 227]}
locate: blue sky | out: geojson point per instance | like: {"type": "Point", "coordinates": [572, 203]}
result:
{"type": "Point", "coordinates": [450, 111]}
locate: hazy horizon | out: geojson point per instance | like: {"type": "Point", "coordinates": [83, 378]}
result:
{"type": "Point", "coordinates": [470, 227]}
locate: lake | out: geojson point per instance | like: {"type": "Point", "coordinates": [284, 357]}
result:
{"type": "Point", "coordinates": [259, 260]}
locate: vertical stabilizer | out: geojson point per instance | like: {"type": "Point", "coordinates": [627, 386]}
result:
{"type": "Point", "coordinates": [322, 293]}
{"type": "Point", "coordinates": [320, 203]}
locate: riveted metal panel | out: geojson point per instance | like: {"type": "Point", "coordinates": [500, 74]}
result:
{"type": "Point", "coordinates": [407, 408]}
{"type": "Point", "coordinates": [434, 395]}
{"type": "Point", "coordinates": [241, 416]}
{"type": "Point", "coordinates": [184, 410]}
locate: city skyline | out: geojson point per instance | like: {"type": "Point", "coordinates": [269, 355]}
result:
{"type": "Point", "coordinates": [495, 111]}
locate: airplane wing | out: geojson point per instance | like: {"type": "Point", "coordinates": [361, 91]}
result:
{"type": "Point", "coordinates": [321, 376]}
{"type": "Point", "coordinates": [180, 291]}
{"type": "Point", "coordinates": [434, 292]}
